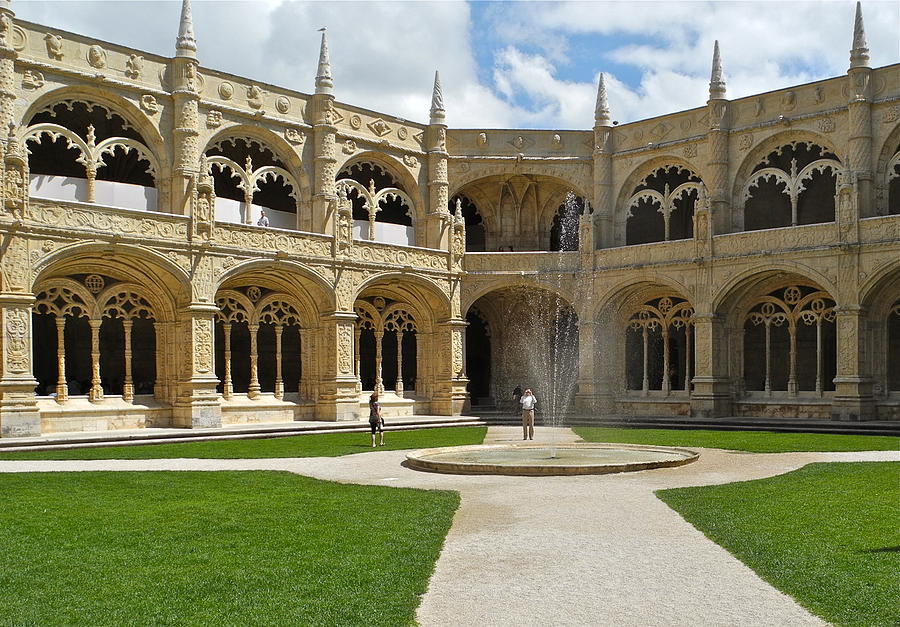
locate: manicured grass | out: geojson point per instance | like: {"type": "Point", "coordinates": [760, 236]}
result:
{"type": "Point", "coordinates": [750, 441]}
{"type": "Point", "coordinates": [214, 548]}
{"type": "Point", "coordinates": [317, 445]}
{"type": "Point", "coordinates": [826, 534]}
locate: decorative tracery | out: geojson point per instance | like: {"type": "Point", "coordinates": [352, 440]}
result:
{"type": "Point", "coordinates": [789, 307]}
{"type": "Point", "coordinates": [379, 319]}
{"type": "Point", "coordinates": [794, 172]}
{"type": "Point", "coordinates": [893, 184]}
{"type": "Point", "coordinates": [662, 206]}
{"type": "Point", "coordinates": [375, 196]}
{"type": "Point", "coordinates": [665, 317]}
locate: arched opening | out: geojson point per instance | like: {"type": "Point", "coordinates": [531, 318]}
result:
{"type": "Point", "coordinates": [252, 185]}
{"type": "Point", "coordinates": [564, 230]}
{"type": "Point", "coordinates": [382, 210]}
{"type": "Point", "coordinates": [893, 180]}
{"type": "Point", "coordinates": [387, 341]}
{"type": "Point", "coordinates": [85, 152]}
{"type": "Point", "coordinates": [475, 234]}
{"type": "Point", "coordinates": [793, 185]}
{"type": "Point", "coordinates": [478, 358]}
{"type": "Point", "coordinates": [659, 345]}
{"type": "Point", "coordinates": [893, 352]}
{"type": "Point", "coordinates": [790, 343]}
{"type": "Point", "coordinates": [661, 208]}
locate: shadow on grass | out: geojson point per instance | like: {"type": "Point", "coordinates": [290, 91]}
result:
{"type": "Point", "coordinates": [884, 549]}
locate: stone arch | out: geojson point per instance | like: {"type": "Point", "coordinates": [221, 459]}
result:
{"type": "Point", "coordinates": [580, 182]}
{"type": "Point", "coordinates": [619, 294]}
{"type": "Point", "coordinates": [399, 172]}
{"type": "Point", "coordinates": [269, 139]}
{"type": "Point", "coordinates": [880, 300]}
{"type": "Point", "coordinates": [889, 148]}
{"type": "Point", "coordinates": [725, 295]}
{"type": "Point", "coordinates": [282, 274]}
{"type": "Point", "coordinates": [501, 283]}
{"type": "Point", "coordinates": [426, 294]}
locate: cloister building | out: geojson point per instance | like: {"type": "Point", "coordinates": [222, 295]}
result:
{"type": "Point", "coordinates": [738, 259]}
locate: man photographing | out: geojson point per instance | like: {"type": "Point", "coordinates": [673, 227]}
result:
{"type": "Point", "coordinates": [528, 401]}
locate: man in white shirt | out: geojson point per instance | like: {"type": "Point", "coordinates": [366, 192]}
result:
{"type": "Point", "coordinates": [528, 400]}
{"type": "Point", "coordinates": [263, 218]}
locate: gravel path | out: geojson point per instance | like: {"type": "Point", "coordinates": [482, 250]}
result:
{"type": "Point", "coordinates": [591, 550]}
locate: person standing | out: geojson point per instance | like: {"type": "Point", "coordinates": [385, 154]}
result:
{"type": "Point", "coordinates": [517, 394]}
{"type": "Point", "coordinates": [376, 422]}
{"type": "Point", "coordinates": [263, 218]}
{"type": "Point", "coordinates": [527, 401]}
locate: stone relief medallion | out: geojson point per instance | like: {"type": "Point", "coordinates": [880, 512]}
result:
{"type": "Point", "coordinates": [685, 124]}
{"type": "Point", "coordinates": [282, 104]}
{"type": "Point", "coordinates": [410, 161]}
{"type": "Point", "coordinates": [745, 142]}
{"type": "Point", "coordinates": [96, 57]}
{"type": "Point", "coordinates": [690, 151]}
{"type": "Point", "coordinates": [349, 147]}
{"type": "Point", "coordinates": [95, 283]}
{"type": "Point", "coordinates": [355, 121]}
{"type": "Point", "coordinates": [380, 127]}
{"type": "Point", "coordinates": [32, 79]}
{"type": "Point", "coordinates": [18, 39]}
{"type": "Point", "coordinates": [294, 136]}
{"type": "Point", "coordinates": [226, 91]}
{"type": "Point", "coordinates": [826, 125]}
{"type": "Point", "coordinates": [214, 119]}
{"type": "Point", "coordinates": [402, 133]}
{"type": "Point", "coordinates": [149, 104]}
{"type": "Point", "coordinates": [255, 97]}
{"type": "Point", "coordinates": [54, 46]}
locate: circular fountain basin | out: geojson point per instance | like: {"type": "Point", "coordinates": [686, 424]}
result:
{"type": "Point", "coordinates": [542, 459]}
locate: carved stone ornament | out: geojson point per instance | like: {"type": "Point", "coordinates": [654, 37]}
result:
{"type": "Point", "coordinates": [294, 136]}
{"type": "Point", "coordinates": [149, 104]}
{"type": "Point", "coordinates": [690, 151]}
{"type": "Point", "coordinates": [759, 107]}
{"type": "Point", "coordinates": [826, 125]}
{"type": "Point", "coordinates": [410, 161]}
{"type": "Point", "coordinates": [789, 100]}
{"type": "Point", "coordinates": [214, 119]}
{"type": "Point", "coordinates": [95, 283]}
{"type": "Point", "coordinates": [202, 346]}
{"type": "Point", "coordinates": [32, 79]}
{"type": "Point", "coordinates": [661, 130]}
{"type": "Point", "coordinates": [349, 147]}
{"type": "Point", "coordinates": [745, 142]}
{"type": "Point", "coordinates": [96, 57]}
{"type": "Point", "coordinates": [355, 122]}
{"type": "Point", "coordinates": [282, 104]}
{"type": "Point", "coordinates": [482, 139]}
{"type": "Point", "coordinates": [891, 114]}
{"type": "Point", "coordinates": [54, 46]}
{"type": "Point", "coordinates": [402, 132]}
{"type": "Point", "coordinates": [379, 127]}
{"type": "Point", "coordinates": [519, 142]}
{"type": "Point", "coordinates": [818, 94]}
{"type": "Point", "coordinates": [556, 141]}
{"type": "Point", "coordinates": [226, 91]}
{"type": "Point", "coordinates": [255, 97]}
{"type": "Point", "coordinates": [18, 350]}
{"type": "Point", "coordinates": [134, 66]}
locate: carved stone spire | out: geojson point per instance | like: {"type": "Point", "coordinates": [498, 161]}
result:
{"type": "Point", "coordinates": [324, 84]}
{"type": "Point", "coordinates": [717, 78]}
{"type": "Point", "coordinates": [859, 54]}
{"type": "Point", "coordinates": [185, 44]}
{"type": "Point", "coordinates": [601, 110]}
{"type": "Point", "coordinates": [437, 101]}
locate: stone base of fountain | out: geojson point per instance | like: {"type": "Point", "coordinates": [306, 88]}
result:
{"type": "Point", "coordinates": [542, 460]}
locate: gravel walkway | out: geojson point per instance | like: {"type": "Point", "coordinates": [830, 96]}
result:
{"type": "Point", "coordinates": [592, 550]}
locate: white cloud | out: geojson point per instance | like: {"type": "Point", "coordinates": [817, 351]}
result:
{"type": "Point", "coordinates": [384, 53]}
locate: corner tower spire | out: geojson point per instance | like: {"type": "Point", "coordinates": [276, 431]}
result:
{"type": "Point", "coordinates": [601, 110]}
{"type": "Point", "coordinates": [186, 44]}
{"type": "Point", "coordinates": [859, 54]}
{"type": "Point", "coordinates": [324, 84]}
{"type": "Point", "coordinates": [717, 77]}
{"type": "Point", "coordinates": [437, 101]}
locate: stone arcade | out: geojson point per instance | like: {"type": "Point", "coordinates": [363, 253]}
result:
{"type": "Point", "coordinates": [741, 258]}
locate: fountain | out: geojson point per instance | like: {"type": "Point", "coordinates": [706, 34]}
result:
{"type": "Point", "coordinates": [542, 349]}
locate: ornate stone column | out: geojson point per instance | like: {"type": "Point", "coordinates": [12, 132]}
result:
{"type": "Point", "coordinates": [279, 383]}
{"type": "Point", "coordinates": [128, 384]}
{"type": "Point", "coordinates": [437, 219]}
{"type": "Point", "coordinates": [184, 79]}
{"type": "Point", "coordinates": [717, 148]}
{"type": "Point", "coordinates": [253, 388]}
{"type": "Point", "coordinates": [95, 395]}
{"type": "Point", "coordinates": [603, 203]}
{"type": "Point", "coordinates": [196, 400]}
{"type": "Point", "coordinates": [62, 388]}
{"type": "Point", "coordinates": [8, 57]}
{"type": "Point", "coordinates": [398, 388]}
{"type": "Point", "coordinates": [227, 387]}
{"type": "Point", "coordinates": [322, 114]}
{"type": "Point", "coordinates": [854, 387]}
{"type": "Point", "coordinates": [450, 395]}
{"type": "Point", "coordinates": [19, 415]}
{"type": "Point", "coordinates": [711, 397]}
{"type": "Point", "coordinates": [379, 382]}
{"type": "Point", "coordinates": [859, 110]}
{"type": "Point", "coordinates": [337, 398]}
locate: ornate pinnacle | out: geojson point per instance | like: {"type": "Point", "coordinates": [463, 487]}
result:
{"type": "Point", "coordinates": [717, 78]}
{"type": "Point", "coordinates": [437, 101]}
{"type": "Point", "coordinates": [324, 84]}
{"type": "Point", "coordinates": [185, 44]}
{"type": "Point", "coordinates": [601, 110]}
{"type": "Point", "coordinates": [859, 55]}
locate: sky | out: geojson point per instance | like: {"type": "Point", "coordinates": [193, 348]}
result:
{"type": "Point", "coordinates": [502, 64]}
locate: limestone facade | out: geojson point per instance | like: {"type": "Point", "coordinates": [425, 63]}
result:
{"type": "Point", "coordinates": [741, 258]}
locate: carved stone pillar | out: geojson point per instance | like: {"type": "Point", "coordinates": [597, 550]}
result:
{"type": "Point", "coordinates": [711, 397]}
{"type": "Point", "coordinates": [379, 382]}
{"type": "Point", "coordinates": [437, 220]}
{"type": "Point", "coordinates": [227, 386]}
{"type": "Point", "coordinates": [717, 167]}
{"type": "Point", "coordinates": [450, 396]}
{"type": "Point", "coordinates": [196, 401]}
{"type": "Point", "coordinates": [337, 397]}
{"type": "Point", "coordinates": [585, 400]}
{"type": "Point", "coordinates": [253, 387]}
{"type": "Point", "coordinates": [62, 388]}
{"type": "Point", "coordinates": [324, 200]}
{"type": "Point", "coordinates": [95, 395]}
{"type": "Point", "coordinates": [186, 132]}
{"type": "Point", "coordinates": [8, 57]}
{"type": "Point", "coordinates": [854, 386]}
{"type": "Point", "coordinates": [356, 333]}
{"type": "Point", "coordinates": [859, 140]}
{"type": "Point", "coordinates": [398, 388]}
{"type": "Point", "coordinates": [128, 384]}
{"type": "Point", "coordinates": [19, 415]}
{"type": "Point", "coordinates": [603, 202]}
{"type": "Point", "coordinates": [279, 383]}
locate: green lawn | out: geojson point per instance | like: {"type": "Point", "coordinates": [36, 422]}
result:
{"type": "Point", "coordinates": [750, 441]}
{"type": "Point", "coordinates": [214, 548]}
{"type": "Point", "coordinates": [826, 534]}
{"type": "Point", "coordinates": [317, 445]}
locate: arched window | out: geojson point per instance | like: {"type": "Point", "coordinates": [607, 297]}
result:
{"type": "Point", "coordinates": [259, 342]}
{"type": "Point", "coordinates": [564, 231]}
{"type": "Point", "coordinates": [662, 206]}
{"type": "Point", "coordinates": [893, 181]}
{"type": "Point", "coordinates": [387, 346]}
{"type": "Point", "coordinates": [382, 211]}
{"type": "Point", "coordinates": [659, 345]}
{"type": "Point", "coordinates": [475, 234]}
{"type": "Point", "coordinates": [81, 151]}
{"type": "Point", "coordinates": [790, 342]}
{"type": "Point", "coordinates": [251, 180]}
{"type": "Point", "coordinates": [794, 184]}
{"type": "Point", "coordinates": [104, 344]}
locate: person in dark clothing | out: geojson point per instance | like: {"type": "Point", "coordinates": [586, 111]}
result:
{"type": "Point", "coordinates": [376, 422]}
